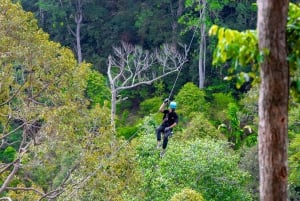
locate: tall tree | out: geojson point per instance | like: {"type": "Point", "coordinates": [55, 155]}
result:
{"type": "Point", "coordinates": [202, 42]}
{"type": "Point", "coordinates": [273, 100]}
{"type": "Point", "coordinates": [197, 19]}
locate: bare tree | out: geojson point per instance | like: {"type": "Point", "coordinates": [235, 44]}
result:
{"type": "Point", "coordinates": [273, 101]}
{"type": "Point", "coordinates": [132, 66]}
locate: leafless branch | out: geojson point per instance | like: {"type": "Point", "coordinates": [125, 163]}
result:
{"type": "Point", "coordinates": [4, 167]}
{"type": "Point", "coordinates": [7, 134]}
{"type": "Point", "coordinates": [16, 164]}
{"type": "Point", "coordinates": [132, 66]}
{"type": "Point", "coordinates": [6, 198]}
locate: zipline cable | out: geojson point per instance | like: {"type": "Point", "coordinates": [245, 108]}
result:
{"type": "Point", "coordinates": [180, 68]}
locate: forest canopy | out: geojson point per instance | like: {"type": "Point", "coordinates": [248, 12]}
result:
{"type": "Point", "coordinates": [57, 137]}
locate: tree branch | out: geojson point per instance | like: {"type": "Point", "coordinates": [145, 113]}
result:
{"type": "Point", "coordinates": [6, 198]}
{"type": "Point", "coordinates": [16, 165]}
{"type": "Point", "coordinates": [7, 134]}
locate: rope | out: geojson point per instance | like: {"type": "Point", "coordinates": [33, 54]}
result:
{"type": "Point", "coordinates": [174, 83]}
{"type": "Point", "coordinates": [180, 68]}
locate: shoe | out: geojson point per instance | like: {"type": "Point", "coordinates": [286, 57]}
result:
{"type": "Point", "coordinates": [162, 153]}
{"type": "Point", "coordinates": [158, 146]}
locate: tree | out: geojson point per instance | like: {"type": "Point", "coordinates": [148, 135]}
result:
{"type": "Point", "coordinates": [274, 88]}
{"type": "Point", "coordinates": [200, 23]}
{"type": "Point", "coordinates": [43, 109]}
{"type": "Point", "coordinates": [59, 17]}
{"type": "Point", "coordinates": [200, 14]}
{"type": "Point", "coordinates": [132, 66]}
{"type": "Point", "coordinates": [273, 99]}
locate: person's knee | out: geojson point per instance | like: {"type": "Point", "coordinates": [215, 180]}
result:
{"type": "Point", "coordinates": [158, 136]}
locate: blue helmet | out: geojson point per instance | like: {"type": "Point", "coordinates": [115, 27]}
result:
{"type": "Point", "coordinates": [173, 105]}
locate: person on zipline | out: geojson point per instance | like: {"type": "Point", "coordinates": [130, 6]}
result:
{"type": "Point", "coordinates": [170, 119]}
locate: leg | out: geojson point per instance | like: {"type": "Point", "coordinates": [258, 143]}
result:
{"type": "Point", "coordinates": [166, 139]}
{"type": "Point", "coordinates": [159, 130]}
{"type": "Point", "coordinates": [165, 142]}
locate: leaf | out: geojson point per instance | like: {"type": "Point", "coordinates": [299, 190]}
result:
{"type": "Point", "coordinates": [213, 30]}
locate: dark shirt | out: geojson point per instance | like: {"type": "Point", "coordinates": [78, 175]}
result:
{"type": "Point", "coordinates": [169, 118]}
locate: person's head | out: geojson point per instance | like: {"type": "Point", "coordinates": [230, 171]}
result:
{"type": "Point", "coordinates": [173, 105]}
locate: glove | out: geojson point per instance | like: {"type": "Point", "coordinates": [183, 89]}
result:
{"type": "Point", "coordinates": [167, 129]}
{"type": "Point", "coordinates": [166, 101]}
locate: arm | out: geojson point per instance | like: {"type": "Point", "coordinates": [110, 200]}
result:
{"type": "Point", "coordinates": [173, 125]}
{"type": "Point", "coordinates": [162, 107]}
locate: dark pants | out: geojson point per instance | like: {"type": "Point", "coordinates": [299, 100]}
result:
{"type": "Point", "coordinates": [161, 129]}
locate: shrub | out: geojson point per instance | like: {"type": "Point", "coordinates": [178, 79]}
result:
{"type": "Point", "coordinates": [219, 105]}
{"type": "Point", "coordinates": [200, 127]}
{"type": "Point", "coordinates": [190, 99]}
{"type": "Point", "coordinates": [8, 155]}
{"type": "Point", "coordinates": [150, 106]}
{"type": "Point", "coordinates": [187, 195]}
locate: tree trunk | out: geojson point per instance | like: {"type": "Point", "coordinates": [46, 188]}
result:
{"type": "Point", "coordinates": [113, 106]}
{"type": "Point", "coordinates": [202, 43]}
{"type": "Point", "coordinates": [273, 100]}
{"type": "Point", "coordinates": [78, 20]}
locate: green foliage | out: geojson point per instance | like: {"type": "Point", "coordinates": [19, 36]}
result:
{"type": "Point", "coordinates": [200, 127]}
{"type": "Point", "coordinates": [249, 163]}
{"type": "Point", "coordinates": [294, 157]}
{"type": "Point", "coordinates": [234, 132]}
{"type": "Point", "coordinates": [150, 106]}
{"type": "Point", "coordinates": [190, 19]}
{"type": "Point", "coordinates": [241, 50]}
{"type": "Point", "coordinates": [42, 85]}
{"type": "Point", "coordinates": [293, 40]}
{"type": "Point", "coordinates": [205, 165]}
{"type": "Point", "coordinates": [127, 131]}
{"type": "Point", "coordinates": [294, 151]}
{"type": "Point", "coordinates": [187, 195]}
{"type": "Point", "coordinates": [97, 89]}
{"type": "Point", "coordinates": [159, 88]}
{"type": "Point", "coordinates": [218, 106]}
{"type": "Point", "coordinates": [190, 99]}
{"type": "Point", "coordinates": [8, 155]}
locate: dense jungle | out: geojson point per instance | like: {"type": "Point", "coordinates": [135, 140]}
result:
{"type": "Point", "coordinates": [82, 82]}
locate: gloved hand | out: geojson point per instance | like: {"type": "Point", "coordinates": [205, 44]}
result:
{"type": "Point", "coordinates": [166, 101]}
{"type": "Point", "coordinates": [167, 129]}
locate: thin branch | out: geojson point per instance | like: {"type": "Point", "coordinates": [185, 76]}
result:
{"type": "Point", "coordinates": [6, 198]}
{"type": "Point", "coordinates": [11, 132]}
{"type": "Point", "coordinates": [5, 167]}
{"type": "Point", "coordinates": [146, 82]}
{"type": "Point", "coordinates": [14, 95]}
